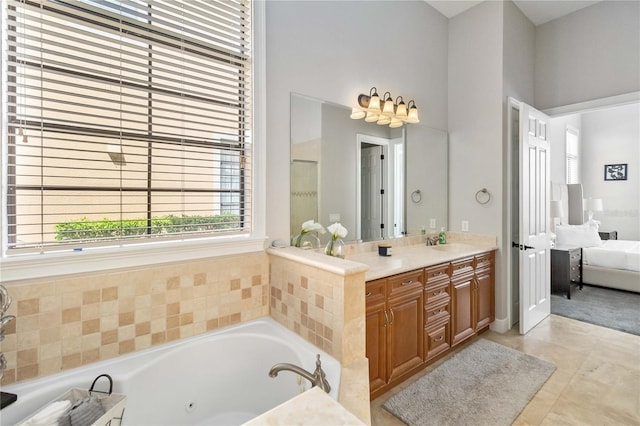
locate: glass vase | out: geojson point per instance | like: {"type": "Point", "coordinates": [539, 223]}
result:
{"type": "Point", "coordinates": [335, 248]}
{"type": "Point", "coordinates": [306, 241]}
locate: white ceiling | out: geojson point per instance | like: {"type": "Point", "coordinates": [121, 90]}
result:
{"type": "Point", "coordinates": [538, 11]}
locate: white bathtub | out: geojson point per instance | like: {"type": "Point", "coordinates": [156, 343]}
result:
{"type": "Point", "coordinates": [219, 378]}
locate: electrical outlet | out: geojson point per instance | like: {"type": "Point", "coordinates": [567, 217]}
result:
{"type": "Point", "coordinates": [465, 226]}
{"type": "Point", "coordinates": [334, 217]}
{"type": "Point", "coordinates": [432, 223]}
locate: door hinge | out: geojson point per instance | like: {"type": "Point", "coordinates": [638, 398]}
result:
{"type": "Point", "coordinates": [382, 226]}
{"type": "Point", "coordinates": [382, 192]}
{"type": "Point", "coordinates": [382, 156]}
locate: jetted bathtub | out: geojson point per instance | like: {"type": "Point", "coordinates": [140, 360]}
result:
{"type": "Point", "coordinates": [218, 378]}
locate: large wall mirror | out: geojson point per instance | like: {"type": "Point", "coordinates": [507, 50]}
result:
{"type": "Point", "coordinates": [379, 182]}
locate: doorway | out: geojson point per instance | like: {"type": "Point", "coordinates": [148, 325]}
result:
{"type": "Point", "coordinates": [376, 187]}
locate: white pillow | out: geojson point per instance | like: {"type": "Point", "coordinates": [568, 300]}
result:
{"type": "Point", "coordinates": [578, 236]}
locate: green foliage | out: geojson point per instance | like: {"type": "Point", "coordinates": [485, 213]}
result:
{"type": "Point", "coordinates": [85, 229]}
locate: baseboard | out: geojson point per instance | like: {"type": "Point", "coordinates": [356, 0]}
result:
{"type": "Point", "coordinates": [500, 325]}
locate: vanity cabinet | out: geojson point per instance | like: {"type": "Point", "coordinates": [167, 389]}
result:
{"type": "Point", "coordinates": [415, 317]}
{"type": "Point", "coordinates": [462, 289]}
{"type": "Point", "coordinates": [473, 288]}
{"type": "Point", "coordinates": [437, 310]}
{"type": "Point", "coordinates": [484, 292]}
{"type": "Point", "coordinates": [394, 327]}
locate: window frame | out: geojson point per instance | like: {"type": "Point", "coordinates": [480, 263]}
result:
{"type": "Point", "coordinates": [569, 156]}
{"type": "Point", "coordinates": [87, 260]}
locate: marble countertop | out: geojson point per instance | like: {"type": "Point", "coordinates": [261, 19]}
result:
{"type": "Point", "coordinates": [409, 258]}
{"type": "Point", "coordinates": [313, 407]}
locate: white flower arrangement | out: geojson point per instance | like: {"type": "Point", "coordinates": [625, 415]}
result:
{"type": "Point", "coordinates": [337, 231]}
{"type": "Point", "coordinates": [312, 226]}
{"type": "Point", "coordinates": [307, 227]}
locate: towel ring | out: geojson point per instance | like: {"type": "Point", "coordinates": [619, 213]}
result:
{"type": "Point", "coordinates": [483, 196]}
{"type": "Point", "coordinates": [416, 196]}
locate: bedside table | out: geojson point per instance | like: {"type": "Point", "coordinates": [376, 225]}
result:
{"type": "Point", "coordinates": [608, 235]}
{"type": "Point", "coordinates": [566, 269]}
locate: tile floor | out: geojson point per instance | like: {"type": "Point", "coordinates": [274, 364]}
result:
{"type": "Point", "coordinates": [597, 380]}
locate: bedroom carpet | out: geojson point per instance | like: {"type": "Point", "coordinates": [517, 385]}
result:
{"type": "Point", "coordinates": [616, 309]}
{"type": "Point", "coordinates": [484, 384]}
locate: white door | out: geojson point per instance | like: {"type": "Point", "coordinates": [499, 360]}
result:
{"type": "Point", "coordinates": [534, 239]}
{"type": "Point", "coordinates": [372, 192]}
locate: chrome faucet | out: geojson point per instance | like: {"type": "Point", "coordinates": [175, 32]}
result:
{"type": "Point", "coordinates": [318, 378]}
{"type": "Point", "coordinates": [432, 241]}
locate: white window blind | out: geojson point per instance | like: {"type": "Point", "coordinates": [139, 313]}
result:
{"type": "Point", "coordinates": [572, 155]}
{"type": "Point", "coordinates": [127, 121]}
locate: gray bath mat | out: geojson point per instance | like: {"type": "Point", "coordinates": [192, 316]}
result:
{"type": "Point", "coordinates": [483, 384]}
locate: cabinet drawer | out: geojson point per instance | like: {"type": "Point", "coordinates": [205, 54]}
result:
{"type": "Point", "coordinates": [436, 340]}
{"type": "Point", "coordinates": [436, 292]}
{"type": "Point", "coordinates": [436, 312]}
{"type": "Point", "coordinates": [375, 291]}
{"type": "Point", "coordinates": [462, 266]}
{"type": "Point", "coordinates": [574, 273]}
{"type": "Point", "coordinates": [484, 260]}
{"type": "Point", "coordinates": [575, 255]}
{"type": "Point", "coordinates": [399, 284]}
{"type": "Point", "coordinates": [436, 273]}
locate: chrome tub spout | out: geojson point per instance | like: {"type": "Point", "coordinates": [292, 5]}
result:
{"type": "Point", "coordinates": [318, 378]}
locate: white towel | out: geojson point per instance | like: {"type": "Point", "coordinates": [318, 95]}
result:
{"type": "Point", "coordinates": [49, 415]}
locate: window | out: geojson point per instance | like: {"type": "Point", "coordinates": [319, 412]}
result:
{"type": "Point", "coordinates": [573, 159]}
{"type": "Point", "coordinates": [126, 121]}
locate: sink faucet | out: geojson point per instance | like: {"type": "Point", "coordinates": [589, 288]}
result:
{"type": "Point", "coordinates": [432, 241]}
{"type": "Point", "coordinates": [318, 378]}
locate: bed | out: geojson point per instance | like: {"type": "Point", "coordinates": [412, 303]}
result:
{"type": "Point", "coordinates": [609, 263]}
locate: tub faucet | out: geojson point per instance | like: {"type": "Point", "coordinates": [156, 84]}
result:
{"type": "Point", "coordinates": [318, 378]}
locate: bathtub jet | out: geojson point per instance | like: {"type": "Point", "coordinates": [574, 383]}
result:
{"type": "Point", "coordinates": [318, 378]}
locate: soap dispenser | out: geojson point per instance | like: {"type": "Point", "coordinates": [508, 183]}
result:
{"type": "Point", "coordinates": [442, 236]}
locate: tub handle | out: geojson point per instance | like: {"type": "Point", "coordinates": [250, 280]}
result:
{"type": "Point", "coordinates": [97, 378]}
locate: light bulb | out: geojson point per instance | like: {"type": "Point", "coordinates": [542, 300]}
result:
{"type": "Point", "coordinates": [401, 111]}
{"type": "Point", "coordinates": [371, 117]}
{"type": "Point", "coordinates": [413, 115]}
{"type": "Point", "coordinates": [395, 122]}
{"type": "Point", "coordinates": [384, 120]}
{"type": "Point", "coordinates": [374, 103]}
{"type": "Point", "coordinates": [357, 113]}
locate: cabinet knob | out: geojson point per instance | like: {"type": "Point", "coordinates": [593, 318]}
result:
{"type": "Point", "coordinates": [368, 294]}
{"type": "Point", "coordinates": [407, 282]}
{"type": "Point", "coordinates": [438, 339]}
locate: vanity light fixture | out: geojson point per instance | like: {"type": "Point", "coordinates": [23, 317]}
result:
{"type": "Point", "coordinates": [385, 112]}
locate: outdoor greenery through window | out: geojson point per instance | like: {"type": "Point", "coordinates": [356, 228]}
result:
{"type": "Point", "coordinates": [126, 121]}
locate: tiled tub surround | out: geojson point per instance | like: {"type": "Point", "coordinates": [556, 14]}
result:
{"type": "Point", "coordinates": [65, 322]}
{"type": "Point", "coordinates": [321, 299]}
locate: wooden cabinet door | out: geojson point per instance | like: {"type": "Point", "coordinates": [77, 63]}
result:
{"type": "Point", "coordinates": [405, 333]}
{"type": "Point", "coordinates": [484, 295]}
{"type": "Point", "coordinates": [462, 308]}
{"type": "Point", "coordinates": [376, 333]}
{"type": "Point", "coordinates": [376, 346]}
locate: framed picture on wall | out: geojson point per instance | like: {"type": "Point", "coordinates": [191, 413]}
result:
{"type": "Point", "coordinates": [615, 172]}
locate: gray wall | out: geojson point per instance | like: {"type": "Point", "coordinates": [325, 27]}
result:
{"type": "Point", "coordinates": [612, 136]}
{"type": "Point", "coordinates": [590, 54]}
{"type": "Point", "coordinates": [475, 124]}
{"type": "Point", "coordinates": [335, 50]}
